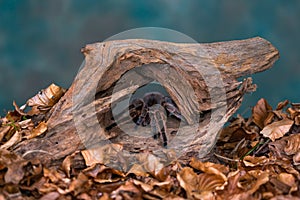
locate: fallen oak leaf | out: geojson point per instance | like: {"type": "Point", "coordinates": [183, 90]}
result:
{"type": "Point", "coordinates": [277, 129]}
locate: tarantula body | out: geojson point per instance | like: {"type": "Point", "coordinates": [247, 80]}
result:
{"type": "Point", "coordinates": [152, 109]}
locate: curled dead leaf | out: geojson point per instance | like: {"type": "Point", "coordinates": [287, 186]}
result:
{"type": "Point", "coordinates": [252, 180]}
{"type": "Point", "coordinates": [127, 191]}
{"type": "Point", "coordinates": [37, 131]}
{"type": "Point", "coordinates": [45, 99]}
{"type": "Point", "coordinates": [262, 113]}
{"type": "Point", "coordinates": [199, 186]}
{"type": "Point", "coordinates": [138, 170]}
{"type": "Point", "coordinates": [277, 129]}
{"type": "Point", "coordinates": [16, 138]}
{"type": "Point", "coordinates": [210, 168]}
{"type": "Point", "coordinates": [80, 184]}
{"type": "Point", "coordinates": [14, 165]}
{"type": "Point", "coordinates": [282, 104]}
{"type": "Point", "coordinates": [296, 158]}
{"type": "Point", "coordinates": [150, 163]}
{"type": "Point", "coordinates": [20, 111]}
{"type": "Point", "coordinates": [289, 180]}
{"type": "Point", "coordinates": [292, 144]}
{"type": "Point", "coordinates": [251, 161]}
{"type": "Point", "coordinates": [105, 154]}
{"type": "Point", "coordinates": [26, 124]}
{"type": "Point", "coordinates": [4, 130]}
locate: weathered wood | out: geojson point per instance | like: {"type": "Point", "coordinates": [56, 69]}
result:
{"type": "Point", "coordinates": [115, 69]}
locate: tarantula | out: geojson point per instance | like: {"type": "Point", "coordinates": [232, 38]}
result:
{"type": "Point", "coordinates": [153, 108]}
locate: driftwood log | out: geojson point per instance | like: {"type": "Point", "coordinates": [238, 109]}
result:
{"type": "Point", "coordinates": [202, 79]}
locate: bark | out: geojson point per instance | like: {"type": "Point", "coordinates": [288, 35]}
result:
{"type": "Point", "coordinates": [202, 79]}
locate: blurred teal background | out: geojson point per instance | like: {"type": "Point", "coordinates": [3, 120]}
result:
{"type": "Point", "coordinates": [40, 41]}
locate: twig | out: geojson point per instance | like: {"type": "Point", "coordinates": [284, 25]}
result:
{"type": "Point", "coordinates": [36, 151]}
{"type": "Point", "coordinates": [225, 158]}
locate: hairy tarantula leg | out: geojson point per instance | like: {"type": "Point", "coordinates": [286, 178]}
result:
{"type": "Point", "coordinates": [142, 118]}
{"type": "Point", "coordinates": [164, 128]}
{"type": "Point", "coordinates": [173, 111]}
{"type": "Point", "coordinates": [170, 106]}
{"type": "Point", "coordinates": [165, 140]}
{"type": "Point", "coordinates": [158, 123]}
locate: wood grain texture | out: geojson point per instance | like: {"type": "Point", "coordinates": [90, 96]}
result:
{"type": "Point", "coordinates": [200, 78]}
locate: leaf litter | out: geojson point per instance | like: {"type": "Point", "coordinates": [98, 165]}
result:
{"type": "Point", "coordinates": [255, 158]}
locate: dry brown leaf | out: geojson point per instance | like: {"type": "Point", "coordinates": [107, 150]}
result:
{"type": "Point", "coordinates": [252, 180]}
{"type": "Point", "coordinates": [296, 106]}
{"type": "Point", "coordinates": [293, 113]}
{"type": "Point", "coordinates": [11, 117]}
{"type": "Point", "coordinates": [150, 163]}
{"type": "Point", "coordinates": [293, 144]}
{"type": "Point", "coordinates": [199, 186]}
{"type": "Point", "coordinates": [188, 181]}
{"type": "Point", "coordinates": [103, 174]}
{"type": "Point", "coordinates": [296, 158]}
{"type": "Point", "coordinates": [210, 168]}
{"type": "Point", "coordinates": [210, 182]}
{"type": "Point", "coordinates": [94, 170]}
{"type": "Point", "coordinates": [37, 131]}
{"type": "Point", "coordinates": [50, 196]}
{"type": "Point", "coordinates": [297, 120]}
{"type": "Point", "coordinates": [165, 172]}
{"type": "Point", "coordinates": [105, 154]}
{"type": "Point", "coordinates": [53, 175]}
{"type": "Point", "coordinates": [20, 111]}
{"type": "Point", "coordinates": [144, 186]}
{"type": "Point", "coordinates": [289, 180]}
{"type": "Point", "coordinates": [46, 98]}
{"type": "Point", "coordinates": [251, 161]}
{"type": "Point", "coordinates": [127, 191]}
{"type": "Point", "coordinates": [138, 170]}
{"type": "Point", "coordinates": [67, 162]}
{"type": "Point", "coordinates": [14, 165]}
{"type": "Point", "coordinates": [4, 130]}
{"type": "Point", "coordinates": [277, 129]}
{"type": "Point", "coordinates": [26, 124]}
{"type": "Point", "coordinates": [16, 138]}
{"type": "Point", "coordinates": [262, 113]}
{"type": "Point", "coordinates": [282, 104]}
{"type": "Point", "coordinates": [80, 184]}
{"type": "Point", "coordinates": [66, 165]}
